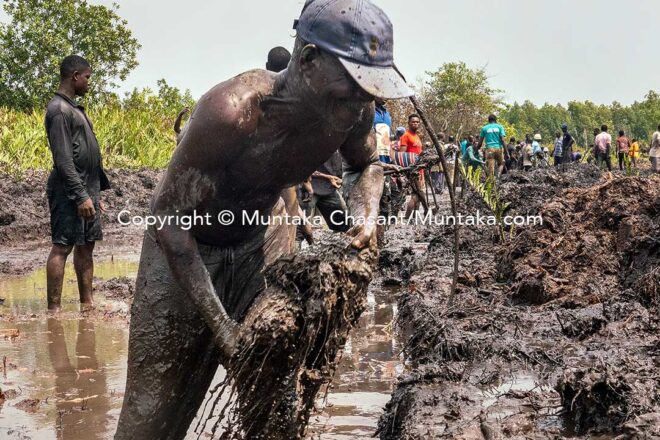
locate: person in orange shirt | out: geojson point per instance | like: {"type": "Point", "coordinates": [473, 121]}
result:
{"type": "Point", "coordinates": [410, 142]}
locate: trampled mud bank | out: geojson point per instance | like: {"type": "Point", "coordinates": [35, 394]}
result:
{"type": "Point", "coordinates": [24, 216]}
{"type": "Point", "coordinates": [553, 333]}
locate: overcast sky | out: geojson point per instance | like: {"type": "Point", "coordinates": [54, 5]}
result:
{"type": "Point", "coordinates": [541, 50]}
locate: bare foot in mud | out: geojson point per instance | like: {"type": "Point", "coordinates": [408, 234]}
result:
{"type": "Point", "coordinates": [87, 306]}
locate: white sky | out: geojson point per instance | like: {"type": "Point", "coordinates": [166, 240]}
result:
{"type": "Point", "coordinates": [541, 50]}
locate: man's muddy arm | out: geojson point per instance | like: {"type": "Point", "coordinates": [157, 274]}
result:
{"type": "Point", "coordinates": [182, 189]}
{"type": "Point", "coordinates": [363, 182]}
{"type": "Point", "coordinates": [188, 269]}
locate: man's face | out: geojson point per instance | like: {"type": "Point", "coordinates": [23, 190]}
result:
{"type": "Point", "coordinates": [336, 94]}
{"type": "Point", "coordinates": [413, 124]}
{"type": "Point", "coordinates": [81, 81]}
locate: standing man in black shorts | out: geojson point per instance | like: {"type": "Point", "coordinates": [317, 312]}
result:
{"type": "Point", "coordinates": [74, 185]}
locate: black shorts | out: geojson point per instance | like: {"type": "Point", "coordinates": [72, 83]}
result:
{"type": "Point", "coordinates": [66, 227]}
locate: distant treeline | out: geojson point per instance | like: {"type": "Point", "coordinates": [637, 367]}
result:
{"type": "Point", "coordinates": [639, 120]}
{"type": "Point", "coordinates": [458, 100]}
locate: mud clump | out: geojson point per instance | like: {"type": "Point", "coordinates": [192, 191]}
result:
{"type": "Point", "coordinates": [28, 405]}
{"type": "Point", "coordinates": [119, 288]}
{"type": "Point", "coordinates": [396, 266]}
{"type": "Point", "coordinates": [593, 242]}
{"type": "Point", "coordinates": [601, 400]}
{"type": "Point", "coordinates": [527, 191]}
{"type": "Point", "coordinates": [23, 207]}
{"type": "Point", "coordinates": [289, 341]}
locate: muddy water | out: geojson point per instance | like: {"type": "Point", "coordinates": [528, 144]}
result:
{"type": "Point", "coordinates": [73, 366]}
{"type": "Point", "coordinates": [69, 372]}
{"type": "Point", "coordinates": [363, 383]}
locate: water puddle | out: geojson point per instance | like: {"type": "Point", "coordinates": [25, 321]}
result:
{"type": "Point", "coordinates": [364, 380]}
{"type": "Point", "coordinates": [65, 376]}
{"type": "Point", "coordinates": [25, 295]}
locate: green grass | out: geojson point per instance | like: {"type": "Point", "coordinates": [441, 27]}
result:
{"type": "Point", "coordinates": [129, 137]}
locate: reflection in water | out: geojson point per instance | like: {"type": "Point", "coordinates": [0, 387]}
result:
{"type": "Point", "coordinates": [365, 374]}
{"type": "Point", "coordinates": [74, 366]}
{"type": "Point", "coordinates": [27, 294]}
{"type": "Point", "coordinates": [80, 392]}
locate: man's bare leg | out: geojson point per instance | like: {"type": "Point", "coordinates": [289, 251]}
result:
{"type": "Point", "coordinates": [83, 263]}
{"type": "Point", "coordinates": [164, 386]}
{"type": "Point", "coordinates": [413, 203]}
{"type": "Point", "coordinates": [55, 275]}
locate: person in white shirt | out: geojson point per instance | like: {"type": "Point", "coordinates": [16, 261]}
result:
{"type": "Point", "coordinates": [654, 153]}
{"type": "Point", "coordinates": [602, 147]}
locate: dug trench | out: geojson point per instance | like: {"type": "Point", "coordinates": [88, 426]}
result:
{"type": "Point", "coordinates": [553, 333]}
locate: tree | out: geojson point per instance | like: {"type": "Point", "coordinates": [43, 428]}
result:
{"type": "Point", "coordinates": [551, 117]}
{"type": "Point", "coordinates": [42, 32]}
{"type": "Point", "coordinates": [400, 109]}
{"type": "Point", "coordinates": [524, 117]}
{"type": "Point", "coordinates": [458, 99]}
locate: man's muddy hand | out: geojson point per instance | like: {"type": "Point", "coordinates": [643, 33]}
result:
{"type": "Point", "coordinates": [335, 181]}
{"type": "Point", "coordinates": [391, 167]}
{"type": "Point", "coordinates": [86, 209]}
{"type": "Point", "coordinates": [226, 338]}
{"type": "Point", "coordinates": [364, 236]}
{"type": "Point", "coordinates": [307, 233]}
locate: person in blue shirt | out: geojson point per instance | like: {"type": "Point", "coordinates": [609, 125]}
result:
{"type": "Point", "coordinates": [383, 129]}
{"type": "Point", "coordinates": [464, 144]}
{"type": "Point", "coordinates": [383, 132]}
{"type": "Point", "coordinates": [492, 134]}
{"type": "Point", "coordinates": [536, 146]}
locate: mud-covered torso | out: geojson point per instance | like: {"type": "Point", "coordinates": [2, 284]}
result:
{"type": "Point", "coordinates": [243, 170]}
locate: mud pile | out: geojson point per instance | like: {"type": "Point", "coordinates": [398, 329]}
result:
{"type": "Point", "coordinates": [23, 207]}
{"type": "Point", "coordinates": [527, 191]}
{"type": "Point", "coordinates": [553, 334]}
{"type": "Point", "coordinates": [594, 243]}
{"type": "Point", "coordinates": [118, 288]}
{"type": "Point", "coordinates": [24, 211]}
{"type": "Point", "coordinates": [289, 341]}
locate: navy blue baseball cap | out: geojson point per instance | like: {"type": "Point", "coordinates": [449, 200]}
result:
{"type": "Point", "coordinates": [359, 34]}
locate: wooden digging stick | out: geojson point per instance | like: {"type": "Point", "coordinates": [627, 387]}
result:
{"type": "Point", "coordinates": [440, 150]}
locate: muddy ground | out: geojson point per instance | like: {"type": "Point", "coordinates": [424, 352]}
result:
{"type": "Point", "coordinates": [24, 216]}
{"type": "Point", "coordinates": [553, 333]}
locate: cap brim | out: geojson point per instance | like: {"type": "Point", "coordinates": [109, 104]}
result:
{"type": "Point", "coordinates": [381, 82]}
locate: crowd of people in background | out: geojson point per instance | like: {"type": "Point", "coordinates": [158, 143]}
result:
{"type": "Point", "coordinates": [489, 150]}
{"type": "Point", "coordinates": [401, 147]}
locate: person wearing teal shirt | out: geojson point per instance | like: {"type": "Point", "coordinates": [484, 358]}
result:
{"type": "Point", "coordinates": [493, 134]}
{"type": "Point", "coordinates": [469, 157]}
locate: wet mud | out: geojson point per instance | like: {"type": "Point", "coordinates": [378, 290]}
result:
{"type": "Point", "coordinates": [553, 333]}
{"type": "Point", "coordinates": [65, 374]}
{"type": "Point", "coordinates": [289, 340]}
{"type": "Point", "coordinates": [25, 219]}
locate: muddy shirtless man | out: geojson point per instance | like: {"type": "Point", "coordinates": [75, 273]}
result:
{"type": "Point", "coordinates": [247, 139]}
